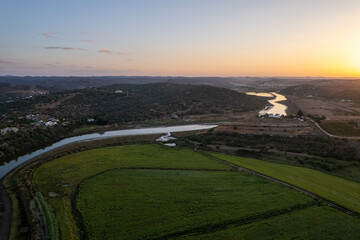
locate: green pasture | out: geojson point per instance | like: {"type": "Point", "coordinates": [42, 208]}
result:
{"type": "Point", "coordinates": [342, 191]}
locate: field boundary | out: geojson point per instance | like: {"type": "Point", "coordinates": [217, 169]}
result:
{"type": "Point", "coordinates": [301, 190]}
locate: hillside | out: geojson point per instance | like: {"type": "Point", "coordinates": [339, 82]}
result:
{"type": "Point", "coordinates": [11, 90]}
{"type": "Point", "coordinates": [137, 102]}
{"type": "Point", "coordinates": [71, 110]}
{"type": "Point", "coordinates": [331, 91]}
{"type": "Point", "coordinates": [307, 90]}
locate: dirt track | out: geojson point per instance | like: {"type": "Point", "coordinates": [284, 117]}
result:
{"type": "Point", "coordinates": [331, 135]}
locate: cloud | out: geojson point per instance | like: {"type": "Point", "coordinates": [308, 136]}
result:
{"type": "Point", "coordinates": [5, 62]}
{"type": "Point", "coordinates": [98, 34]}
{"type": "Point", "coordinates": [64, 48]}
{"type": "Point", "coordinates": [88, 41]}
{"type": "Point", "coordinates": [12, 62]}
{"type": "Point", "coordinates": [105, 50]}
{"type": "Point", "coordinates": [48, 35]}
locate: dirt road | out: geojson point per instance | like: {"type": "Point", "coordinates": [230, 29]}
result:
{"type": "Point", "coordinates": [329, 134]}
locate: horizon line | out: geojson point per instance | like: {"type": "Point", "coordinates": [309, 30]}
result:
{"type": "Point", "coordinates": [180, 76]}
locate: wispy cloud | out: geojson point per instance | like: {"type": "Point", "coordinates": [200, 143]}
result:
{"type": "Point", "coordinates": [88, 41]}
{"type": "Point", "coordinates": [64, 48]}
{"type": "Point", "coordinates": [98, 34]}
{"type": "Point", "coordinates": [105, 50]}
{"type": "Point", "coordinates": [11, 62]}
{"type": "Point", "coordinates": [48, 35]}
{"type": "Point", "coordinates": [5, 62]}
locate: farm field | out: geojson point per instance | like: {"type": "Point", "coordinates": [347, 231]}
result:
{"type": "Point", "coordinates": [61, 176]}
{"type": "Point", "coordinates": [315, 222]}
{"type": "Point", "coordinates": [156, 192]}
{"type": "Point", "coordinates": [270, 126]}
{"type": "Point", "coordinates": [325, 107]}
{"type": "Point", "coordinates": [162, 203]}
{"type": "Point", "coordinates": [340, 128]}
{"type": "Point", "coordinates": [336, 189]}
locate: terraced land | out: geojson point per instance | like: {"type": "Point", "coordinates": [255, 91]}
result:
{"type": "Point", "coordinates": [156, 192]}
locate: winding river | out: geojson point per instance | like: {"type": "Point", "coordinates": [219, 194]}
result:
{"type": "Point", "coordinates": [277, 109]}
{"type": "Point", "coordinates": [8, 166]}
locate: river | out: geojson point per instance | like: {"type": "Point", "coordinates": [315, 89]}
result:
{"type": "Point", "coordinates": [8, 166]}
{"type": "Point", "coordinates": [276, 108]}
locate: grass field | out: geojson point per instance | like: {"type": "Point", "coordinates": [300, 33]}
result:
{"type": "Point", "coordinates": [313, 223]}
{"type": "Point", "coordinates": [145, 204]}
{"type": "Point", "coordinates": [340, 128]}
{"type": "Point", "coordinates": [62, 175]}
{"type": "Point", "coordinates": [342, 191]}
{"type": "Point", "coordinates": [156, 192]}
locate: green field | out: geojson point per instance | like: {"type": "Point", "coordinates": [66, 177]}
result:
{"type": "Point", "coordinates": [342, 191]}
{"type": "Point", "coordinates": [63, 174]}
{"type": "Point", "coordinates": [144, 204]}
{"type": "Point", "coordinates": [157, 192]}
{"type": "Point", "coordinates": [313, 223]}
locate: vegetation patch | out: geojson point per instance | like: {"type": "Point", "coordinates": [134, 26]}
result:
{"type": "Point", "coordinates": [340, 128]}
{"type": "Point", "coordinates": [156, 192]}
{"type": "Point", "coordinates": [336, 189]}
{"type": "Point", "coordinates": [316, 222]}
{"type": "Point", "coordinates": [313, 145]}
{"type": "Point", "coordinates": [51, 224]}
{"type": "Point", "coordinates": [63, 174]}
{"type": "Point", "coordinates": [158, 204]}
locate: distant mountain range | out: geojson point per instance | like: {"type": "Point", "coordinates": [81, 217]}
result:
{"type": "Point", "coordinates": [18, 85]}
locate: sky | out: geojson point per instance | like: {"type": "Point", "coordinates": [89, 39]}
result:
{"type": "Point", "coordinates": [180, 38]}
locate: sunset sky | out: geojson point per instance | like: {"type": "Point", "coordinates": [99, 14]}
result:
{"type": "Point", "coordinates": [184, 37]}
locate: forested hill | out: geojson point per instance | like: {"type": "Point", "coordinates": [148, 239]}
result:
{"type": "Point", "coordinates": [121, 103]}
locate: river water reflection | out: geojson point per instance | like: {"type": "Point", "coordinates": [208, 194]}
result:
{"type": "Point", "coordinates": [276, 108]}
{"type": "Point", "coordinates": [8, 166]}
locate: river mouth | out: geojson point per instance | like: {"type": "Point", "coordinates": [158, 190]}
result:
{"type": "Point", "coordinates": [276, 109]}
{"type": "Point", "coordinates": [8, 166]}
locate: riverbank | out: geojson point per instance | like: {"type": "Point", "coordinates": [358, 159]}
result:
{"type": "Point", "coordinates": [16, 211]}
{"type": "Point", "coordinates": [8, 166]}
{"type": "Point", "coordinates": [71, 145]}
